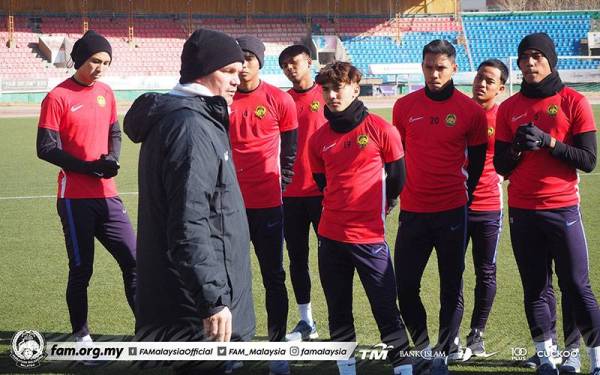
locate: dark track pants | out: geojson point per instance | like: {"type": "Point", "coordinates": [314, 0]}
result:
{"type": "Point", "coordinates": [539, 237]}
{"type": "Point", "coordinates": [266, 234]}
{"type": "Point", "coordinates": [299, 213]}
{"type": "Point", "coordinates": [106, 220]}
{"type": "Point", "coordinates": [418, 234]}
{"type": "Point", "coordinates": [570, 331]}
{"type": "Point", "coordinates": [483, 228]}
{"type": "Point", "coordinates": [337, 262]}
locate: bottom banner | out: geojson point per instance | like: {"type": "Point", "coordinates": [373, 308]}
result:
{"type": "Point", "coordinates": [200, 351]}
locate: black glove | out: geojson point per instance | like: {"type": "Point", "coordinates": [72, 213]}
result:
{"type": "Point", "coordinates": [104, 167]}
{"type": "Point", "coordinates": [531, 138]}
{"type": "Point", "coordinates": [286, 178]}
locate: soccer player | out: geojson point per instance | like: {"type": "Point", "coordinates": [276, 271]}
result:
{"type": "Point", "coordinates": [441, 129]}
{"type": "Point", "coordinates": [349, 156]}
{"type": "Point", "coordinates": [302, 198]}
{"type": "Point", "coordinates": [544, 134]}
{"type": "Point", "coordinates": [79, 131]}
{"type": "Point", "coordinates": [485, 213]}
{"type": "Point", "coordinates": [195, 279]}
{"type": "Point", "coordinates": [263, 133]}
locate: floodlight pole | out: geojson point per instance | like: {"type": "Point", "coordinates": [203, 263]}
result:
{"type": "Point", "coordinates": [189, 9]}
{"type": "Point", "coordinates": [130, 23]}
{"type": "Point", "coordinates": [10, 24]}
{"type": "Point", "coordinates": [84, 16]}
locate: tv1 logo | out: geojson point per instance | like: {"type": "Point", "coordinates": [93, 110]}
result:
{"type": "Point", "coordinates": [518, 354]}
{"type": "Point", "coordinates": [377, 352]}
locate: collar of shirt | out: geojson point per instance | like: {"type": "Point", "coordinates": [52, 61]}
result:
{"type": "Point", "coordinates": [193, 89]}
{"type": "Point", "coordinates": [190, 89]}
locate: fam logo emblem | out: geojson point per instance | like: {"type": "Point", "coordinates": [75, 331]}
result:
{"type": "Point", "coordinates": [101, 101]}
{"type": "Point", "coordinates": [260, 112]}
{"type": "Point", "coordinates": [490, 131]}
{"type": "Point", "coordinates": [362, 140]}
{"type": "Point", "coordinates": [315, 105]}
{"type": "Point", "coordinates": [27, 348]}
{"type": "Point", "coordinates": [552, 109]}
{"type": "Point", "coordinates": [450, 120]}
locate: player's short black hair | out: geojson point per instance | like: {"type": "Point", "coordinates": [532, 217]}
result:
{"type": "Point", "coordinates": [495, 63]}
{"type": "Point", "coordinates": [292, 51]}
{"type": "Point", "coordinates": [440, 47]}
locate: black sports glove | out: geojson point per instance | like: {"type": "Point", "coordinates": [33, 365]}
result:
{"type": "Point", "coordinates": [531, 138]}
{"type": "Point", "coordinates": [286, 178]}
{"type": "Point", "coordinates": [105, 167]}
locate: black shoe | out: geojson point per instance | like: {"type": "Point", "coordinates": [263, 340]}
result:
{"type": "Point", "coordinates": [475, 342]}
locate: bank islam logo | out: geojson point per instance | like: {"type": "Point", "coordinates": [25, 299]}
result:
{"type": "Point", "coordinates": [27, 349]}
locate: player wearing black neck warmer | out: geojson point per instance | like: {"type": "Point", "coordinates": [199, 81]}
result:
{"type": "Point", "coordinates": [544, 134]}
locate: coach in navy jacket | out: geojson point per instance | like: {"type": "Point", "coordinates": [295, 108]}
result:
{"type": "Point", "coordinates": [193, 236]}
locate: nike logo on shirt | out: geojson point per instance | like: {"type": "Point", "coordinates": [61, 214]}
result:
{"type": "Point", "coordinates": [413, 119]}
{"type": "Point", "coordinates": [325, 148]}
{"type": "Point", "coordinates": [76, 108]}
{"type": "Point", "coordinates": [515, 118]}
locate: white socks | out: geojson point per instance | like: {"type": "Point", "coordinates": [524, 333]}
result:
{"type": "Point", "coordinates": [403, 370]}
{"type": "Point", "coordinates": [546, 348]}
{"type": "Point", "coordinates": [347, 367]}
{"type": "Point", "coordinates": [594, 354]}
{"type": "Point", "coordinates": [305, 311]}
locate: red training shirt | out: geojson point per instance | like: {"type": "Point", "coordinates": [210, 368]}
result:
{"type": "Point", "coordinates": [310, 108]}
{"type": "Point", "coordinates": [541, 181]}
{"type": "Point", "coordinates": [256, 121]}
{"type": "Point", "coordinates": [353, 163]}
{"type": "Point", "coordinates": [488, 194]}
{"type": "Point", "coordinates": [436, 135]}
{"type": "Point", "coordinates": [82, 115]}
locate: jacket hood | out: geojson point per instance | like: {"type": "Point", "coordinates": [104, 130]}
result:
{"type": "Point", "coordinates": [150, 108]}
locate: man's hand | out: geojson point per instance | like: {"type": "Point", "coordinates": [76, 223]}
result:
{"type": "Point", "coordinates": [531, 138]}
{"type": "Point", "coordinates": [286, 178]}
{"type": "Point", "coordinates": [103, 167]}
{"type": "Point", "coordinates": [391, 203]}
{"type": "Point", "coordinates": [218, 326]}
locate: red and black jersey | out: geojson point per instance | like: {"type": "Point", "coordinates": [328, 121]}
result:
{"type": "Point", "coordinates": [541, 181]}
{"type": "Point", "coordinates": [488, 194]}
{"type": "Point", "coordinates": [353, 163]}
{"type": "Point", "coordinates": [436, 135]}
{"type": "Point", "coordinates": [256, 121]}
{"type": "Point", "coordinates": [82, 115]}
{"type": "Point", "coordinates": [310, 108]}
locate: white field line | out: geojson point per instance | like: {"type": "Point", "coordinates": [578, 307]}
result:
{"type": "Point", "coordinates": [51, 196]}
{"type": "Point", "coordinates": [135, 192]}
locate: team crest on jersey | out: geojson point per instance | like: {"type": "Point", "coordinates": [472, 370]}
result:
{"type": "Point", "coordinates": [315, 105]}
{"type": "Point", "coordinates": [101, 101]}
{"type": "Point", "coordinates": [552, 109]}
{"type": "Point", "coordinates": [450, 119]}
{"type": "Point", "coordinates": [490, 131]}
{"type": "Point", "coordinates": [260, 112]}
{"type": "Point", "coordinates": [362, 140]}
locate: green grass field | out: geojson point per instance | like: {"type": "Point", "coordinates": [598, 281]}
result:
{"type": "Point", "coordinates": [33, 270]}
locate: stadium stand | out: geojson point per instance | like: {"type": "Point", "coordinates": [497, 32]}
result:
{"type": "Point", "coordinates": [367, 40]}
{"type": "Point", "coordinates": [497, 35]}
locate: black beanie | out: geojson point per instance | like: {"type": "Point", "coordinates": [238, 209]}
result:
{"type": "Point", "coordinates": [206, 51]}
{"type": "Point", "coordinates": [89, 44]}
{"type": "Point", "coordinates": [292, 51]}
{"type": "Point", "coordinates": [254, 45]}
{"type": "Point", "coordinates": [540, 42]}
